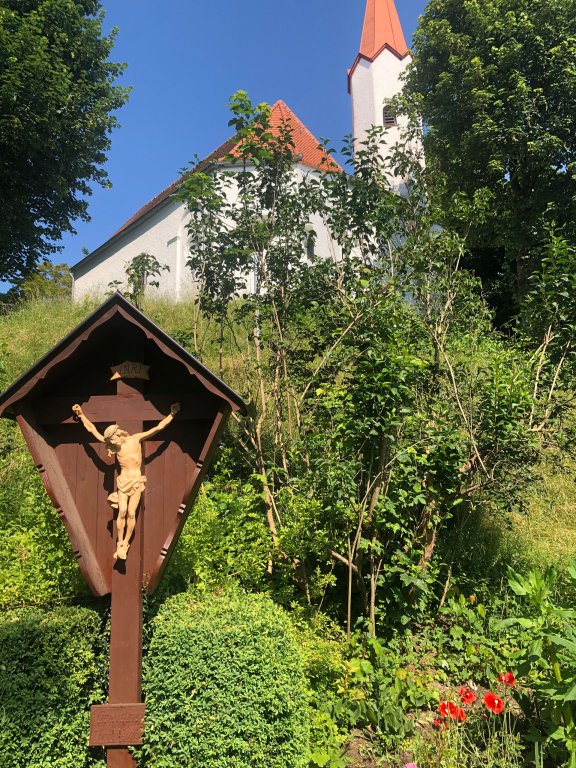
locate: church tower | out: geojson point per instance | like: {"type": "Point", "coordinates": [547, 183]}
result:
{"type": "Point", "coordinates": [374, 78]}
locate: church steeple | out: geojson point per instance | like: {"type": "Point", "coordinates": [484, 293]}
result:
{"type": "Point", "coordinates": [382, 28]}
{"type": "Point", "coordinates": [376, 75]}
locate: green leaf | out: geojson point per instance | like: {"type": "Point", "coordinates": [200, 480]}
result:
{"type": "Point", "coordinates": [563, 642]}
{"type": "Point", "coordinates": [571, 695]}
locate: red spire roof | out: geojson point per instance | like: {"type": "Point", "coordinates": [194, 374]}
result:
{"type": "Point", "coordinates": [381, 29]}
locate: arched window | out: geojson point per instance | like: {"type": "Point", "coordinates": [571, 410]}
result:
{"type": "Point", "coordinates": [389, 116]}
{"type": "Point", "coordinates": [310, 241]}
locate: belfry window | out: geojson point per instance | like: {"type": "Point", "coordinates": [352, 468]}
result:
{"type": "Point", "coordinates": [389, 116]}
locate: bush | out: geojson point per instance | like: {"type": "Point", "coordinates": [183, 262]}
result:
{"type": "Point", "coordinates": [224, 686]}
{"type": "Point", "coordinates": [37, 566]}
{"type": "Point", "coordinates": [52, 665]}
{"type": "Point", "coordinates": [225, 536]}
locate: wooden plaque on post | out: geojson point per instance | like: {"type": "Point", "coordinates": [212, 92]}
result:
{"type": "Point", "coordinates": [117, 374]}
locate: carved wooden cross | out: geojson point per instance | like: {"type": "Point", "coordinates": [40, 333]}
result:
{"type": "Point", "coordinates": [79, 475]}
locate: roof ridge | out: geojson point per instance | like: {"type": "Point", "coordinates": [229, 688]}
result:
{"type": "Point", "coordinates": [308, 150]}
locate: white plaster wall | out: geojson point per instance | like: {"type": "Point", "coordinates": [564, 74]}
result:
{"type": "Point", "coordinates": [372, 84]}
{"type": "Point", "coordinates": [164, 235]}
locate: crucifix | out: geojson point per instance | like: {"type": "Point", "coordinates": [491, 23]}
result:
{"type": "Point", "coordinates": [131, 482]}
{"type": "Point", "coordinates": [106, 429]}
{"type": "Point", "coordinates": [122, 719]}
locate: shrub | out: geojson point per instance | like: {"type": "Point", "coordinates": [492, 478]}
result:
{"type": "Point", "coordinates": [225, 536]}
{"type": "Point", "coordinates": [224, 686]}
{"type": "Point", "coordinates": [51, 669]}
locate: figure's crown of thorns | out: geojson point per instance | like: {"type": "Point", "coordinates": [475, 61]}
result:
{"type": "Point", "coordinates": [111, 430]}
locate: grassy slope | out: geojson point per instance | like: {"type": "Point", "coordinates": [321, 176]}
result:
{"type": "Point", "coordinates": [546, 534]}
{"type": "Point", "coordinates": [549, 527]}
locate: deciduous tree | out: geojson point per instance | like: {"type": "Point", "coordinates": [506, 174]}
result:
{"type": "Point", "coordinates": [495, 83]}
{"type": "Point", "coordinates": [57, 100]}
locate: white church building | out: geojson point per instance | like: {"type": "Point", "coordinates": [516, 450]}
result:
{"type": "Point", "coordinates": [159, 228]}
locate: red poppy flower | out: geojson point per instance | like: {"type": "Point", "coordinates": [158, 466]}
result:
{"type": "Point", "coordinates": [507, 678]}
{"type": "Point", "coordinates": [455, 712]}
{"type": "Point", "coordinates": [443, 708]}
{"type": "Point", "coordinates": [439, 723]}
{"type": "Point", "coordinates": [467, 696]}
{"type": "Point", "coordinates": [494, 703]}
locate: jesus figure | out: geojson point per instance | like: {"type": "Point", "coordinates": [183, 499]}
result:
{"type": "Point", "coordinates": [130, 481]}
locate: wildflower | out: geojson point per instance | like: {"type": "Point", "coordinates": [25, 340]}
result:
{"type": "Point", "coordinates": [455, 712]}
{"type": "Point", "coordinates": [494, 703]}
{"type": "Point", "coordinates": [507, 678]}
{"type": "Point", "coordinates": [467, 696]}
{"type": "Point", "coordinates": [410, 765]}
{"type": "Point", "coordinates": [443, 708]}
{"type": "Point", "coordinates": [439, 723]}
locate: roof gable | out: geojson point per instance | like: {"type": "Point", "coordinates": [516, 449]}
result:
{"type": "Point", "coordinates": [73, 462]}
{"type": "Point", "coordinates": [307, 148]}
{"type": "Point", "coordinates": [125, 314]}
{"type": "Point", "coordinates": [307, 152]}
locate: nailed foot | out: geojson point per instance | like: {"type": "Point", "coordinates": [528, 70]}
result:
{"type": "Point", "coordinates": [121, 551]}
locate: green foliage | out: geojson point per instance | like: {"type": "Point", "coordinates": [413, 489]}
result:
{"type": "Point", "coordinates": [376, 422]}
{"type": "Point", "coordinates": [56, 100]}
{"type": "Point", "coordinates": [32, 328]}
{"type": "Point", "coordinates": [494, 82]}
{"type": "Point", "coordinates": [380, 686]}
{"type": "Point", "coordinates": [549, 326]}
{"type": "Point", "coordinates": [140, 272]}
{"type": "Point", "coordinates": [323, 650]}
{"type": "Point", "coordinates": [52, 668]}
{"type": "Point", "coordinates": [327, 741]}
{"type": "Point", "coordinates": [548, 661]}
{"type": "Point", "coordinates": [464, 641]}
{"type": "Point", "coordinates": [225, 536]}
{"type": "Point", "coordinates": [48, 281]}
{"type": "Point", "coordinates": [224, 685]}
{"type": "Point", "coordinates": [37, 566]}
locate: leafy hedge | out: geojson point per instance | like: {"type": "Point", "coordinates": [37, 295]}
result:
{"type": "Point", "coordinates": [224, 686]}
{"type": "Point", "coordinates": [52, 664]}
{"type": "Point", "coordinates": [37, 566]}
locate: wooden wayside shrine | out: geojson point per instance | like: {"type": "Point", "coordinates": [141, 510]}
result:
{"type": "Point", "coordinates": [121, 369]}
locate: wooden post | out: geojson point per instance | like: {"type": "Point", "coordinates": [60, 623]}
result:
{"type": "Point", "coordinates": [125, 682]}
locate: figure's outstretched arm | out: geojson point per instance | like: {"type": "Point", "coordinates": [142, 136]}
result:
{"type": "Point", "coordinates": [87, 423]}
{"type": "Point", "coordinates": [174, 409]}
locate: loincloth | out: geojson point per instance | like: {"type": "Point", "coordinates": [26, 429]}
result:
{"type": "Point", "coordinates": [128, 487]}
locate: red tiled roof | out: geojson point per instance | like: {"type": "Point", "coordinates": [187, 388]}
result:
{"type": "Point", "coordinates": [306, 151]}
{"type": "Point", "coordinates": [307, 148]}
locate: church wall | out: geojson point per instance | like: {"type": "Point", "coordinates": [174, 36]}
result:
{"type": "Point", "coordinates": [162, 235]}
{"type": "Point", "coordinates": [372, 84]}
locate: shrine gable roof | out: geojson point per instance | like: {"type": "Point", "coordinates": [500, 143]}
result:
{"type": "Point", "coordinates": [122, 314]}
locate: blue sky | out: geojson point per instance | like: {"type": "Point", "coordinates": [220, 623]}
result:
{"type": "Point", "coordinates": [186, 58]}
